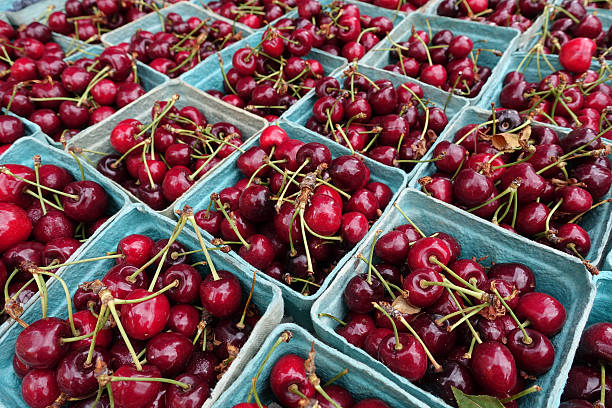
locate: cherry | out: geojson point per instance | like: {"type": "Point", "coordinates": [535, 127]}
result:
{"type": "Point", "coordinates": [421, 253]}
{"type": "Point", "coordinates": [11, 129]}
{"type": "Point", "coordinates": [144, 320]}
{"type": "Point", "coordinates": [40, 344]}
{"type": "Point", "coordinates": [575, 55]}
{"type": "Point", "coordinates": [289, 370]}
{"type": "Point", "coordinates": [359, 294]}
{"type": "Point", "coordinates": [39, 388]}
{"type": "Point", "coordinates": [169, 352]}
{"type": "Point", "coordinates": [544, 312]}
{"type": "Point", "coordinates": [91, 203]}
{"type": "Point", "coordinates": [357, 328]}
{"type": "Point", "coordinates": [517, 274]}
{"type": "Point", "coordinates": [392, 247]}
{"type": "Point", "coordinates": [348, 173]}
{"type": "Point", "coordinates": [116, 280]}
{"type": "Point", "coordinates": [221, 297]}
{"type": "Point", "coordinates": [255, 203]}
{"type": "Point", "coordinates": [202, 364]}
{"type": "Point", "coordinates": [176, 181]}
{"type": "Point", "coordinates": [438, 339]}
{"type": "Point", "coordinates": [422, 296]}
{"type": "Point", "coordinates": [209, 221]}
{"type": "Point", "coordinates": [535, 358]}
{"type": "Point", "coordinates": [575, 199]}
{"type": "Point", "coordinates": [184, 319]}
{"type": "Point", "coordinates": [85, 323]}
{"type": "Point", "coordinates": [573, 234]}
{"type": "Point", "coordinates": [261, 252]}
{"type": "Point", "coordinates": [130, 394]}
{"type": "Point", "coordinates": [75, 377]}
{"type": "Point", "coordinates": [532, 184]}
{"type": "Point", "coordinates": [136, 249]}
{"type": "Point", "coordinates": [453, 375]}
{"type": "Point", "coordinates": [596, 343]}
{"type": "Point", "coordinates": [194, 397]}
{"type": "Point", "coordinates": [337, 393]}
{"type": "Point", "coordinates": [472, 188]}
{"type": "Point", "coordinates": [469, 270]}
{"type": "Point", "coordinates": [584, 383]}
{"type": "Point", "coordinates": [410, 361]}
{"type": "Point", "coordinates": [53, 225]}
{"type": "Point", "coordinates": [188, 287]}
{"type": "Point", "coordinates": [12, 190]}
{"type": "Point", "coordinates": [493, 367]}
{"type": "Point", "coordinates": [531, 218]}
{"type": "Point", "coordinates": [323, 215]}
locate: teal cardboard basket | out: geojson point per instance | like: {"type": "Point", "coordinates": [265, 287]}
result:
{"type": "Point", "coordinates": [137, 219]}
{"type": "Point", "coordinates": [227, 174]}
{"type": "Point", "coordinates": [562, 277]}
{"type": "Point", "coordinates": [361, 381]}
{"type": "Point", "coordinates": [207, 75]}
{"type": "Point", "coordinates": [483, 36]}
{"type": "Point", "coordinates": [597, 222]}
{"type": "Point", "coordinates": [152, 23]}
{"type": "Point", "coordinates": [302, 111]}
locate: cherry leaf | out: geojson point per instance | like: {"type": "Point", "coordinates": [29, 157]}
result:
{"type": "Point", "coordinates": [475, 401]}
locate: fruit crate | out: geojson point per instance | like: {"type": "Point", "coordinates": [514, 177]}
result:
{"type": "Point", "coordinates": [227, 174]}
{"type": "Point", "coordinates": [152, 22]}
{"type": "Point", "coordinates": [207, 75]}
{"type": "Point", "coordinates": [562, 277]}
{"type": "Point", "coordinates": [524, 38]}
{"type": "Point", "coordinates": [598, 222]}
{"type": "Point", "coordinates": [485, 36]}
{"type": "Point", "coordinates": [137, 219]}
{"type": "Point", "coordinates": [34, 11]}
{"type": "Point", "coordinates": [97, 137]}
{"type": "Point", "coordinates": [535, 69]}
{"type": "Point", "coordinates": [361, 381]}
{"type": "Point", "coordinates": [23, 151]}
{"type": "Point", "coordinates": [302, 111]}
{"type": "Point", "coordinates": [607, 264]}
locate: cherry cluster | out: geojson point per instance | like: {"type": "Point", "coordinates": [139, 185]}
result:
{"type": "Point", "coordinates": [295, 383]}
{"type": "Point", "coordinates": [445, 61]}
{"type": "Point", "coordinates": [588, 384]}
{"type": "Point", "coordinates": [181, 45]}
{"type": "Point", "coordinates": [11, 129]}
{"type": "Point", "coordinates": [268, 84]}
{"type": "Point", "coordinates": [519, 14]}
{"type": "Point", "coordinates": [252, 13]}
{"type": "Point", "coordinates": [153, 304]}
{"type": "Point", "coordinates": [525, 179]}
{"type": "Point", "coordinates": [392, 125]}
{"type": "Point", "coordinates": [159, 161]}
{"type": "Point", "coordinates": [87, 20]}
{"type": "Point", "coordinates": [297, 211]}
{"type": "Point", "coordinates": [339, 29]}
{"type": "Point", "coordinates": [401, 5]}
{"type": "Point", "coordinates": [420, 301]}
{"type": "Point", "coordinates": [45, 214]}
{"type": "Point", "coordinates": [571, 21]}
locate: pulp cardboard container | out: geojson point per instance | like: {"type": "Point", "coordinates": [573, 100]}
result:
{"type": "Point", "coordinates": [607, 265]}
{"type": "Point", "coordinates": [23, 151]}
{"type": "Point", "coordinates": [296, 304]}
{"type": "Point", "coordinates": [524, 38]}
{"type": "Point", "coordinates": [34, 12]}
{"type": "Point", "coordinates": [534, 67]}
{"type": "Point", "coordinates": [361, 381]}
{"type": "Point", "coordinates": [562, 277]}
{"type": "Point", "coordinates": [152, 23]}
{"type": "Point", "coordinates": [484, 36]}
{"type": "Point", "coordinates": [137, 219]}
{"type": "Point", "coordinates": [207, 75]}
{"type": "Point", "coordinates": [302, 111]}
{"type": "Point", "coordinates": [97, 137]}
{"type": "Point", "coordinates": [597, 222]}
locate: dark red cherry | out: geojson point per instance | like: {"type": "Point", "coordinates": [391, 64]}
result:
{"type": "Point", "coordinates": [455, 375]}
{"type": "Point", "coordinates": [222, 297]}
{"type": "Point", "coordinates": [136, 249]}
{"type": "Point", "coordinates": [545, 313]}
{"type": "Point", "coordinates": [39, 388]}
{"type": "Point", "coordinates": [255, 203]}
{"type": "Point", "coordinates": [169, 352]}
{"type": "Point", "coordinates": [423, 251]}
{"type": "Point", "coordinates": [194, 397]}
{"type": "Point", "coordinates": [91, 203]}
{"type": "Point", "coordinates": [202, 364]}
{"type": "Point", "coordinates": [184, 319]}
{"type": "Point", "coordinates": [596, 343]}
{"type": "Point", "coordinates": [469, 270]}
{"type": "Point", "coordinates": [357, 328]}
{"type": "Point", "coordinates": [359, 293]}
{"type": "Point", "coordinates": [75, 377]}
{"type": "Point", "coordinates": [410, 361]}
{"type": "Point", "coordinates": [188, 287]}
{"type": "Point", "coordinates": [535, 358]}
{"type": "Point", "coordinates": [517, 274]}
{"type": "Point", "coordinates": [116, 280]}
{"type": "Point", "coordinates": [348, 173]}
{"type": "Point", "coordinates": [40, 344]}
{"type": "Point", "coordinates": [85, 323]}
{"type": "Point", "coordinates": [288, 370]}
{"type": "Point", "coordinates": [494, 367]}
{"type": "Point", "coordinates": [422, 296]}
{"type": "Point", "coordinates": [392, 247]}
{"type": "Point", "coordinates": [472, 188]}
{"type": "Point", "coordinates": [438, 339]}
{"type": "Point", "coordinates": [144, 320]}
{"type": "Point", "coordinates": [126, 393]}
{"type": "Point", "coordinates": [340, 395]}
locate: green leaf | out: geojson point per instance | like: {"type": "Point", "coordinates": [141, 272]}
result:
{"type": "Point", "coordinates": [475, 401]}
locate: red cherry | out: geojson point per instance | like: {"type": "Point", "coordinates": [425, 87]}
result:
{"type": "Point", "coordinates": [421, 252]}
{"type": "Point", "coordinates": [136, 249]}
{"type": "Point", "coordinates": [545, 313]}
{"type": "Point", "coordinates": [222, 297]}
{"type": "Point", "coordinates": [493, 367]}
{"type": "Point", "coordinates": [169, 352]}
{"type": "Point", "coordinates": [194, 397]}
{"type": "Point", "coordinates": [144, 320]}
{"type": "Point", "coordinates": [575, 55]}
{"type": "Point", "coordinates": [135, 394]}
{"type": "Point", "coordinates": [15, 226]}
{"type": "Point", "coordinates": [410, 361]}
{"type": "Point", "coordinates": [39, 388]}
{"type": "Point", "coordinates": [85, 323]}
{"type": "Point", "coordinates": [288, 370]}
{"type": "Point", "coordinates": [40, 344]}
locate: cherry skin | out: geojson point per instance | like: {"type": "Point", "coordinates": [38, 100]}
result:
{"type": "Point", "coordinates": [421, 253]}
{"type": "Point", "coordinates": [584, 383]}
{"type": "Point", "coordinates": [373, 339]}
{"type": "Point", "coordinates": [184, 319]}
{"type": "Point", "coordinates": [453, 375]}
{"type": "Point", "coordinates": [91, 203]}
{"type": "Point", "coordinates": [517, 274]}
{"type": "Point", "coordinates": [348, 173]}
{"type": "Point", "coordinates": [545, 313]}
{"type": "Point", "coordinates": [136, 249]}
{"type": "Point", "coordinates": [596, 342]}
{"type": "Point", "coordinates": [410, 362]}
{"type": "Point", "coordinates": [354, 227]}
{"type": "Point", "coordinates": [422, 296]}
{"type": "Point", "coordinates": [494, 367]}
{"type": "Point", "coordinates": [39, 388]}
{"type": "Point", "coordinates": [436, 337]}
{"type": "Point", "coordinates": [194, 397]}
{"type": "Point", "coordinates": [392, 247]}
{"type": "Point", "coordinates": [288, 370]}
{"type": "Point", "coordinates": [535, 358]}
{"type": "Point", "coordinates": [323, 215]}
{"type": "Point", "coordinates": [77, 379]}
{"type": "Point", "coordinates": [337, 393]}
{"type": "Point", "coordinates": [357, 328]}
{"type": "Point", "coordinates": [85, 323]}
{"type": "Point", "coordinates": [116, 280]}
{"type": "Point", "coordinates": [469, 270]}
{"type": "Point", "coordinates": [472, 188]}
{"type": "Point", "coordinates": [261, 252]}
{"type": "Point", "coordinates": [359, 293]}
{"type": "Point", "coordinates": [188, 287]}
{"type": "Point", "coordinates": [222, 297]}
{"type": "Point", "coordinates": [169, 352]}
{"type": "Point", "coordinates": [202, 364]}
{"type": "Point", "coordinates": [144, 320]}
{"type": "Point", "coordinates": [135, 394]}
{"type": "Point", "coordinates": [40, 344]}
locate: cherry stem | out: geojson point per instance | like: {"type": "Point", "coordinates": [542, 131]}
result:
{"type": "Point", "coordinates": [457, 313]}
{"type": "Point", "coordinates": [240, 324]}
{"type": "Point", "coordinates": [531, 150]}
{"type": "Point", "coordinates": [153, 379]}
{"type": "Point", "coordinates": [80, 261]}
{"type": "Point", "coordinates": [497, 197]}
{"type": "Point", "coordinates": [225, 79]}
{"type": "Point", "coordinates": [346, 140]}
{"type": "Point", "coordinates": [211, 264]}
{"type": "Point", "coordinates": [526, 391]}
{"type": "Point", "coordinates": [573, 220]}
{"type": "Point", "coordinates": [310, 269]}
{"type": "Point", "coordinates": [409, 220]}
{"type": "Point", "coordinates": [324, 237]}
{"type": "Point", "coordinates": [10, 173]}
{"type": "Point", "coordinates": [159, 116]}
{"type": "Point", "coordinates": [325, 395]}
{"type": "Point", "coordinates": [291, 180]}
{"type": "Point", "coordinates": [447, 284]}
{"type": "Point", "coordinates": [343, 323]}
{"type": "Point", "coordinates": [126, 339]}
{"type": "Point", "coordinates": [36, 173]}
{"type": "Point", "coordinates": [398, 345]}
{"type": "Point", "coordinates": [467, 284]}
{"type": "Point", "coordinates": [293, 388]}
{"type": "Point", "coordinates": [102, 318]}
{"type": "Point", "coordinates": [100, 75]}
{"type": "Point", "coordinates": [603, 384]}
{"type": "Point", "coordinates": [370, 265]}
{"type": "Point", "coordinates": [336, 377]}
{"type": "Point", "coordinates": [526, 339]}
{"type": "Point", "coordinates": [42, 288]}
{"type": "Point", "coordinates": [475, 334]}
{"type": "Point", "coordinates": [476, 310]}
{"type": "Point", "coordinates": [174, 284]}
{"type": "Point", "coordinates": [387, 285]}
{"type": "Point", "coordinates": [203, 166]}
{"type": "Point", "coordinates": [34, 270]}
{"type": "Point", "coordinates": [76, 158]}
{"type": "Point", "coordinates": [550, 214]}
{"type": "Point", "coordinates": [437, 366]}
{"type": "Point", "coordinates": [232, 224]}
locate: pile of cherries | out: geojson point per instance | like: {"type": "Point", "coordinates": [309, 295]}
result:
{"type": "Point", "coordinates": [445, 61]}
{"type": "Point", "coordinates": [339, 29]}
{"type": "Point", "coordinates": [252, 13]}
{"type": "Point", "coordinates": [297, 211]}
{"type": "Point", "coordinates": [574, 22]}
{"type": "Point", "coordinates": [588, 383]}
{"type": "Point", "coordinates": [525, 179]}
{"type": "Point", "coordinates": [392, 125]}
{"type": "Point", "coordinates": [159, 161]}
{"type": "Point", "coordinates": [45, 214]}
{"type": "Point", "coordinates": [65, 97]}
{"type": "Point", "coordinates": [152, 305]}
{"type": "Point", "coordinates": [401, 5]}
{"type": "Point", "coordinates": [295, 383]}
{"type": "Point", "coordinates": [87, 20]}
{"type": "Point", "coordinates": [519, 14]}
{"type": "Point", "coordinates": [268, 79]}
{"type": "Point", "coordinates": [181, 45]}
{"type": "Point", "coordinates": [483, 329]}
